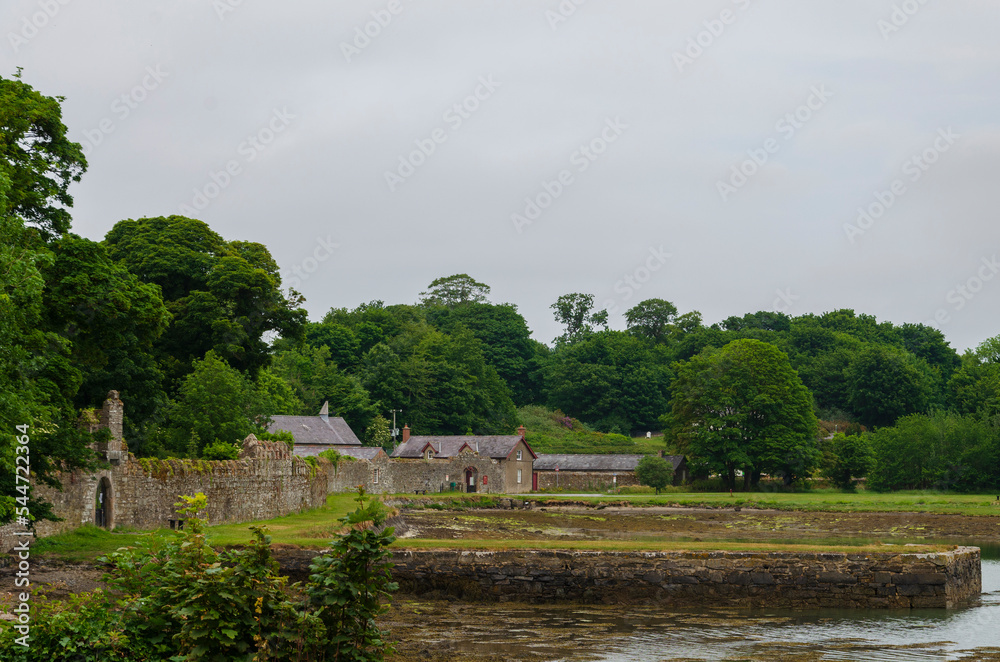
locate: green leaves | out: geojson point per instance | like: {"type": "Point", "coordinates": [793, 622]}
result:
{"type": "Point", "coordinates": [744, 407]}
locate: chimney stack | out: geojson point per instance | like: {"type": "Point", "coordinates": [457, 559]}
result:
{"type": "Point", "coordinates": [324, 413]}
{"type": "Point", "coordinates": [522, 431]}
{"type": "Point", "coordinates": [406, 433]}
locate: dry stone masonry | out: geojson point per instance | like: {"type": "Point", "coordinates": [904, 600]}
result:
{"type": "Point", "coordinates": [690, 579]}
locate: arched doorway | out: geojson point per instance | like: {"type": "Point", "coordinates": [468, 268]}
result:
{"type": "Point", "coordinates": [102, 504]}
{"type": "Point", "coordinates": [471, 476]}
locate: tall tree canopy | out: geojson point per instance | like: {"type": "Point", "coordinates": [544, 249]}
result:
{"type": "Point", "coordinates": [37, 378]}
{"type": "Point", "coordinates": [744, 407]}
{"type": "Point", "coordinates": [37, 158]}
{"type": "Point", "coordinates": [224, 296]}
{"type": "Point", "coordinates": [451, 291]}
{"type": "Point", "coordinates": [651, 318]}
{"type": "Point", "coordinates": [575, 312]}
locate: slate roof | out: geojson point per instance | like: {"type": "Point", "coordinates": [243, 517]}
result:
{"type": "Point", "coordinates": [316, 430]}
{"type": "Point", "coordinates": [578, 462]}
{"type": "Point", "coordinates": [495, 446]}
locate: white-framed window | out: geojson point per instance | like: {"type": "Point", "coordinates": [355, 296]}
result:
{"type": "Point", "coordinates": [519, 473]}
{"type": "Point", "coordinates": [519, 457]}
{"type": "Point", "coordinates": [375, 477]}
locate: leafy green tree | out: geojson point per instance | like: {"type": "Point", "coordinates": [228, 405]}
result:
{"type": "Point", "coordinates": [276, 396]}
{"type": "Point", "coordinates": [378, 432]}
{"type": "Point", "coordinates": [975, 388]}
{"type": "Point", "coordinates": [988, 351]}
{"type": "Point", "coordinates": [345, 350]}
{"type": "Point", "coordinates": [885, 383]}
{"type": "Point", "coordinates": [506, 341]}
{"type": "Point", "coordinates": [214, 403]}
{"type": "Point", "coordinates": [851, 457]}
{"type": "Point", "coordinates": [654, 472]}
{"type": "Point", "coordinates": [316, 379]}
{"type": "Point", "coordinates": [224, 296]}
{"type": "Point", "coordinates": [943, 450]}
{"type": "Point", "coordinates": [111, 321]}
{"type": "Point", "coordinates": [574, 312]}
{"type": "Point", "coordinates": [744, 407]}
{"type": "Point", "coordinates": [37, 380]}
{"type": "Point", "coordinates": [442, 382]}
{"type": "Point", "coordinates": [37, 159]}
{"type": "Point", "coordinates": [451, 291]}
{"type": "Point", "coordinates": [652, 318]}
{"type": "Point", "coordinates": [612, 380]}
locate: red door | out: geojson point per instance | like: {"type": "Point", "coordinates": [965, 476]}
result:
{"type": "Point", "coordinates": [534, 481]}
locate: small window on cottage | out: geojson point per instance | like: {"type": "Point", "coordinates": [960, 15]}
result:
{"type": "Point", "coordinates": [519, 473]}
{"type": "Point", "coordinates": [519, 457]}
{"type": "Point", "coordinates": [375, 477]}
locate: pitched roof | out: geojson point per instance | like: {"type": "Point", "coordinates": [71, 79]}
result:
{"type": "Point", "coordinates": [316, 430]}
{"type": "Point", "coordinates": [578, 462]}
{"type": "Point", "coordinates": [496, 446]}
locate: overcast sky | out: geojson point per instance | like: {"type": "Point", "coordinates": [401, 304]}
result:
{"type": "Point", "coordinates": [712, 153]}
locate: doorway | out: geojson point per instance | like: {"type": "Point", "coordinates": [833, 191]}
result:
{"type": "Point", "coordinates": [471, 476]}
{"type": "Point", "coordinates": [102, 504]}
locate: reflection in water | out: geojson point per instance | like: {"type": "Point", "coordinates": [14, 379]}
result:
{"type": "Point", "coordinates": [647, 634]}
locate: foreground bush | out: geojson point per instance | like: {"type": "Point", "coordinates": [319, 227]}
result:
{"type": "Point", "coordinates": [179, 600]}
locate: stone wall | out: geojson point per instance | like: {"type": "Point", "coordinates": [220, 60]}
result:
{"type": "Point", "coordinates": [682, 579]}
{"type": "Point", "coordinates": [266, 482]}
{"type": "Point", "coordinates": [584, 481]}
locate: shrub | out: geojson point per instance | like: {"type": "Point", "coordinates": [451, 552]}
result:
{"type": "Point", "coordinates": [183, 601]}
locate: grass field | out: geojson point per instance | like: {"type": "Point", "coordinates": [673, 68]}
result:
{"type": "Point", "coordinates": [316, 527]}
{"type": "Point", "coordinates": [819, 500]}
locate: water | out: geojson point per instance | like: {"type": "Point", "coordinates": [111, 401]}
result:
{"type": "Point", "coordinates": [875, 636]}
{"type": "Point", "coordinates": [589, 633]}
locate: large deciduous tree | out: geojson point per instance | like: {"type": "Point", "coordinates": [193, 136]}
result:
{"type": "Point", "coordinates": [451, 291]}
{"type": "Point", "coordinates": [224, 296]}
{"type": "Point", "coordinates": [37, 381]}
{"type": "Point", "coordinates": [885, 383]}
{"type": "Point", "coordinates": [652, 318]}
{"type": "Point", "coordinates": [744, 407]}
{"type": "Point", "coordinates": [574, 312]}
{"type": "Point", "coordinates": [37, 158]}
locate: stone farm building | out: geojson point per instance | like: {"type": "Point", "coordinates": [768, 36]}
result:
{"type": "Point", "coordinates": [473, 463]}
{"type": "Point", "coordinates": [595, 472]}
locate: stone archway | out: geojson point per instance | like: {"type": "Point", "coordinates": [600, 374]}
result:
{"type": "Point", "coordinates": [471, 479]}
{"type": "Point", "coordinates": [104, 504]}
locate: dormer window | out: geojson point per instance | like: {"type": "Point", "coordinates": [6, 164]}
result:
{"type": "Point", "coordinates": [429, 454]}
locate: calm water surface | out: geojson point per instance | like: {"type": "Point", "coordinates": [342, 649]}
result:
{"type": "Point", "coordinates": [648, 634]}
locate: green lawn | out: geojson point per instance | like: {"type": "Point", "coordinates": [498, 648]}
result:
{"type": "Point", "coordinates": [819, 500]}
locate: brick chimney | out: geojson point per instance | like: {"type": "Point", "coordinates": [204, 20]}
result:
{"type": "Point", "coordinates": [522, 431]}
{"type": "Point", "coordinates": [406, 433]}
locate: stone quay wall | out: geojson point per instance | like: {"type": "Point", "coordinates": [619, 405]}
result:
{"type": "Point", "coordinates": [693, 579]}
